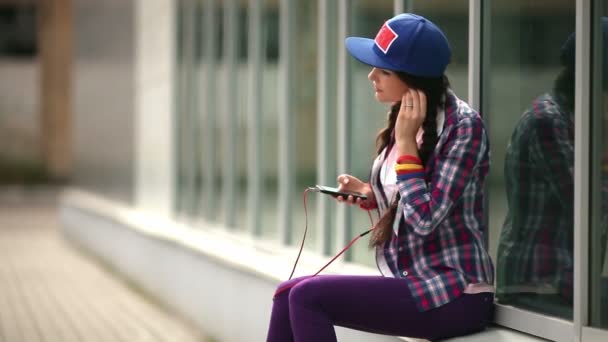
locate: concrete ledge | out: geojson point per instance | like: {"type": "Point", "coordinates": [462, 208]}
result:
{"type": "Point", "coordinates": [209, 276]}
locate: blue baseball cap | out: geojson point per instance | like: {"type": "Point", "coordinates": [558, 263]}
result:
{"type": "Point", "coordinates": [406, 42]}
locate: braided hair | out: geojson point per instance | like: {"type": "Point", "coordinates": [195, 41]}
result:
{"type": "Point", "coordinates": [434, 89]}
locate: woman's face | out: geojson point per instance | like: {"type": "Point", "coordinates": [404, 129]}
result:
{"type": "Point", "coordinates": [388, 86]}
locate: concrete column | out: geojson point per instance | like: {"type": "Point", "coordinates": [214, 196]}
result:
{"type": "Point", "coordinates": [155, 65]}
{"type": "Point", "coordinates": [55, 53]}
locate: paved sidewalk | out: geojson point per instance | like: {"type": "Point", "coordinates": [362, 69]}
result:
{"type": "Point", "coordinates": [51, 292]}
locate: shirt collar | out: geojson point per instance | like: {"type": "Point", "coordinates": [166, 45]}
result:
{"type": "Point", "coordinates": [440, 121]}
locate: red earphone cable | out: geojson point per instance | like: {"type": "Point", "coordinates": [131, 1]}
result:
{"type": "Point", "coordinates": [285, 288]}
{"type": "Point", "coordinates": [303, 237]}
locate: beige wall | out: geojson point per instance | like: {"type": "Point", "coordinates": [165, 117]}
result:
{"type": "Point", "coordinates": [103, 97]}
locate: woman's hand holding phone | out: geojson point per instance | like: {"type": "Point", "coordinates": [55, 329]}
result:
{"type": "Point", "coordinates": [350, 183]}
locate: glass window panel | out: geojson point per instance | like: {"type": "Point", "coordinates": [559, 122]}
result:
{"type": "Point", "coordinates": [367, 116]}
{"type": "Point", "coordinates": [452, 16]}
{"type": "Point", "coordinates": [208, 78]}
{"type": "Point", "coordinates": [184, 107]}
{"type": "Point", "coordinates": [199, 90]}
{"type": "Point", "coordinates": [270, 134]}
{"type": "Point", "coordinates": [324, 225]}
{"type": "Point", "coordinates": [242, 74]}
{"type": "Point", "coordinates": [179, 33]}
{"type": "Point", "coordinates": [599, 170]}
{"type": "Point", "coordinates": [218, 93]}
{"type": "Point", "coordinates": [189, 112]}
{"type": "Point", "coordinates": [305, 93]}
{"type": "Point", "coordinates": [220, 108]}
{"type": "Point", "coordinates": [530, 114]}
{"type": "Point", "coordinates": [179, 57]}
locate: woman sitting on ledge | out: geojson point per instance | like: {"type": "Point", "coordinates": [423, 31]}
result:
{"type": "Point", "coordinates": [427, 182]}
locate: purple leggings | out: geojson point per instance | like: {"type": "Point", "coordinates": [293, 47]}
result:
{"type": "Point", "coordinates": [309, 310]}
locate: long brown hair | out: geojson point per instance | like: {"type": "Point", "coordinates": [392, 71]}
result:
{"type": "Point", "coordinates": [434, 89]}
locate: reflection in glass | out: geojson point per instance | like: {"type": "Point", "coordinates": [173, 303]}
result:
{"type": "Point", "coordinates": [535, 261]}
{"type": "Point", "coordinates": [523, 69]}
{"type": "Point", "coordinates": [598, 250]}
{"type": "Point", "coordinates": [452, 16]}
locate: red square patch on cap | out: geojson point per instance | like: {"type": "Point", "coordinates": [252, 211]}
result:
{"type": "Point", "coordinates": [385, 38]}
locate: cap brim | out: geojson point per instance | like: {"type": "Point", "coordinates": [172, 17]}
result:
{"type": "Point", "coordinates": [363, 50]}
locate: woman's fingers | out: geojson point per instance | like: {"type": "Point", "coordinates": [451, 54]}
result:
{"type": "Point", "coordinates": [348, 200]}
{"type": "Point", "coordinates": [343, 179]}
{"type": "Point", "coordinates": [411, 115]}
{"type": "Point", "coordinates": [342, 182]}
{"type": "Point", "coordinates": [404, 102]}
{"type": "Point", "coordinates": [415, 100]}
{"type": "Point", "coordinates": [422, 98]}
{"type": "Point", "coordinates": [407, 101]}
{"type": "Point", "coordinates": [349, 183]}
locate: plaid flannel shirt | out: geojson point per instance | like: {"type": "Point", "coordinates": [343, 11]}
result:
{"type": "Point", "coordinates": [535, 246]}
{"type": "Point", "coordinates": [438, 246]}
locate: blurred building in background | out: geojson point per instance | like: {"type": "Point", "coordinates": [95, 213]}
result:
{"type": "Point", "coordinates": [35, 107]}
{"type": "Point", "coordinates": [188, 130]}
